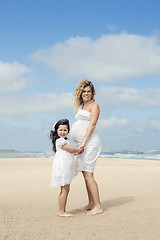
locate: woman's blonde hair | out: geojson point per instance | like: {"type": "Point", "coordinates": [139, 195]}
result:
{"type": "Point", "coordinates": [78, 93]}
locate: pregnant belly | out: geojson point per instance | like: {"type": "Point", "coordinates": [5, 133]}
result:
{"type": "Point", "coordinates": [78, 131]}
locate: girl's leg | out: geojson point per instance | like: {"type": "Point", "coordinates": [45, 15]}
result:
{"type": "Point", "coordinates": [62, 200]}
{"type": "Point", "coordinates": [93, 193]}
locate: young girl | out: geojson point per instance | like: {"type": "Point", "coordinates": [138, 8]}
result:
{"type": "Point", "coordinates": [64, 166]}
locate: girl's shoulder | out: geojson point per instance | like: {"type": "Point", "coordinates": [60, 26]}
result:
{"type": "Point", "coordinates": [61, 141]}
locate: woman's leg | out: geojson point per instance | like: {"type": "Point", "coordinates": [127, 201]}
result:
{"type": "Point", "coordinates": [90, 199]}
{"type": "Point", "coordinates": [93, 193]}
{"type": "Point", "coordinates": [62, 200]}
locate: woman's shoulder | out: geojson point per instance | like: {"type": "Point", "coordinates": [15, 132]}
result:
{"type": "Point", "coordinates": [94, 105]}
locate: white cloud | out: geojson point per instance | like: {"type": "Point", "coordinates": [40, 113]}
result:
{"type": "Point", "coordinates": [108, 98]}
{"type": "Point", "coordinates": [119, 133]}
{"type": "Point", "coordinates": [116, 96]}
{"type": "Point", "coordinates": [155, 123]}
{"type": "Point", "coordinates": [107, 59]}
{"type": "Point", "coordinates": [112, 122]}
{"type": "Point", "coordinates": [12, 77]}
{"type": "Point", "coordinates": [35, 104]}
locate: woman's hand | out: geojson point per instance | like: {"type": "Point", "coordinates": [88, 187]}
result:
{"type": "Point", "coordinates": [81, 148]}
{"type": "Point", "coordinates": [81, 145]}
{"type": "Point", "coordinates": [81, 151]}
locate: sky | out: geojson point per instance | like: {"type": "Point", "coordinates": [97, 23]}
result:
{"type": "Point", "coordinates": [47, 46]}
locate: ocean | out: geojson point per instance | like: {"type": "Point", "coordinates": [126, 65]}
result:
{"type": "Point", "coordinates": [125, 154]}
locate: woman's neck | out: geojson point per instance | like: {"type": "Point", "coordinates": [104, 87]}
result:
{"type": "Point", "coordinates": [87, 102]}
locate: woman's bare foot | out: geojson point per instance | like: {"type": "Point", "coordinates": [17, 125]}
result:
{"type": "Point", "coordinates": [95, 211]}
{"type": "Point", "coordinates": [86, 208]}
{"type": "Point", "coordinates": [65, 214]}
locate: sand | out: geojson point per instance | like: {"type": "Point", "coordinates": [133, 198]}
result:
{"type": "Point", "coordinates": [130, 196]}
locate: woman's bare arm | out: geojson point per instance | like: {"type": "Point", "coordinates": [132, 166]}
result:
{"type": "Point", "coordinates": [95, 111]}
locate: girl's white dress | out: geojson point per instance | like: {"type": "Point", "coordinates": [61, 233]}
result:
{"type": "Point", "coordinates": [64, 165]}
{"type": "Point", "coordinates": [86, 160]}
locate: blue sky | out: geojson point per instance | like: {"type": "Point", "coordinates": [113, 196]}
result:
{"type": "Point", "coordinates": [46, 47]}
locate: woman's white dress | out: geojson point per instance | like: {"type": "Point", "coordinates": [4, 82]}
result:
{"type": "Point", "coordinates": [86, 160]}
{"type": "Point", "coordinates": [64, 165]}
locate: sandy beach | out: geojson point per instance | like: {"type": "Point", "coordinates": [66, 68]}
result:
{"type": "Point", "coordinates": [129, 191]}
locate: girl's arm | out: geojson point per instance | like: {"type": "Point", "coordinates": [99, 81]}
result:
{"type": "Point", "coordinates": [95, 111]}
{"type": "Point", "coordinates": [70, 149]}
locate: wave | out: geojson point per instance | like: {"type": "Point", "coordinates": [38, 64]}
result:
{"type": "Point", "coordinates": [146, 154]}
{"type": "Point", "coordinates": [125, 154]}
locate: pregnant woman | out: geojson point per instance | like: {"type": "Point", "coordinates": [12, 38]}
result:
{"type": "Point", "coordinates": [84, 136]}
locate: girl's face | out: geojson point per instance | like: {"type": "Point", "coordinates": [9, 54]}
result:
{"type": "Point", "coordinates": [86, 94]}
{"type": "Point", "coordinates": [62, 131]}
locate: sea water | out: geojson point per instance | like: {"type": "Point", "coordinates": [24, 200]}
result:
{"type": "Point", "coordinates": [144, 154]}
{"type": "Point", "coordinates": [125, 154]}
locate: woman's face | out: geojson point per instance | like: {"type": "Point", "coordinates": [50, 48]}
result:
{"type": "Point", "coordinates": [86, 94]}
{"type": "Point", "coordinates": [62, 131]}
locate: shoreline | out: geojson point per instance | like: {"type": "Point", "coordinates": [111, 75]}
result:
{"type": "Point", "coordinates": [99, 158]}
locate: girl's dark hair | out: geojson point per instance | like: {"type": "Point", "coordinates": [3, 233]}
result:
{"type": "Point", "coordinates": [53, 134]}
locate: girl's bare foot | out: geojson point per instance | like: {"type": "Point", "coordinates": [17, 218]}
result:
{"type": "Point", "coordinates": [86, 208]}
{"type": "Point", "coordinates": [65, 214]}
{"type": "Point", "coordinates": [95, 211]}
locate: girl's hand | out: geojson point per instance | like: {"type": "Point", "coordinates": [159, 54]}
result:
{"type": "Point", "coordinates": [81, 150]}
